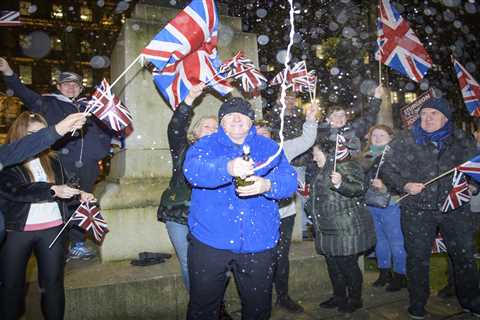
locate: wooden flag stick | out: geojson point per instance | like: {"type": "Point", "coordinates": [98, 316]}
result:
{"type": "Point", "coordinates": [335, 156]}
{"type": "Point", "coordinates": [379, 71]}
{"type": "Point", "coordinates": [430, 182]}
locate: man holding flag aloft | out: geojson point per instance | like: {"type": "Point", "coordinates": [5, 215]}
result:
{"type": "Point", "coordinates": [433, 146]}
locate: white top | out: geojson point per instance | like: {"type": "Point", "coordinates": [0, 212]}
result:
{"type": "Point", "coordinates": [41, 215]}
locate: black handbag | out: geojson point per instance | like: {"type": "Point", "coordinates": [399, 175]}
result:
{"type": "Point", "coordinates": [374, 198]}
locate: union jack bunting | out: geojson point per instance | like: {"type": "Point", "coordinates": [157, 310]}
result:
{"type": "Point", "coordinates": [459, 195]}
{"type": "Point", "coordinates": [341, 150]}
{"type": "Point", "coordinates": [184, 52]}
{"type": "Point", "coordinates": [471, 168]}
{"type": "Point", "coordinates": [88, 217]}
{"type": "Point", "coordinates": [296, 73]}
{"type": "Point", "coordinates": [9, 18]}
{"type": "Point", "coordinates": [470, 89]}
{"type": "Point", "coordinates": [108, 108]}
{"type": "Point", "coordinates": [399, 47]}
{"type": "Point", "coordinates": [439, 245]}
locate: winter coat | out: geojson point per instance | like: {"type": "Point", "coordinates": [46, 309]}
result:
{"type": "Point", "coordinates": [354, 131]}
{"type": "Point", "coordinates": [175, 200]}
{"type": "Point", "coordinates": [407, 161]}
{"type": "Point", "coordinates": [27, 147]}
{"type": "Point", "coordinates": [218, 216]}
{"type": "Point", "coordinates": [342, 223]}
{"type": "Point", "coordinates": [21, 191]}
{"type": "Point", "coordinates": [94, 135]}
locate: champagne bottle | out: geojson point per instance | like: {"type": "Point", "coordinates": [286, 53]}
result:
{"type": "Point", "coordinates": [239, 181]}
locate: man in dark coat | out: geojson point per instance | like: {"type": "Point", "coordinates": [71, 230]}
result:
{"type": "Point", "coordinates": [431, 147]}
{"type": "Point", "coordinates": [79, 153]}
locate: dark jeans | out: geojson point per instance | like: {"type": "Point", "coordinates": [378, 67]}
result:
{"type": "Point", "coordinates": [207, 269]}
{"type": "Point", "coordinates": [346, 276]}
{"type": "Point", "coordinates": [14, 255]}
{"type": "Point", "coordinates": [280, 276]}
{"type": "Point", "coordinates": [2, 227]}
{"type": "Point", "coordinates": [419, 228]}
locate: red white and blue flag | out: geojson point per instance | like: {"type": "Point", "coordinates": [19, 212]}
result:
{"type": "Point", "coordinates": [439, 245]}
{"type": "Point", "coordinates": [88, 217]}
{"type": "Point", "coordinates": [471, 168]}
{"type": "Point", "coordinates": [297, 73]}
{"type": "Point", "coordinates": [242, 68]}
{"type": "Point", "coordinates": [9, 18]}
{"type": "Point", "coordinates": [399, 47]}
{"type": "Point", "coordinates": [470, 88]}
{"type": "Point", "coordinates": [305, 84]}
{"type": "Point", "coordinates": [341, 150]}
{"type": "Point", "coordinates": [459, 195]}
{"type": "Point", "coordinates": [184, 52]}
{"type": "Point", "coordinates": [108, 108]}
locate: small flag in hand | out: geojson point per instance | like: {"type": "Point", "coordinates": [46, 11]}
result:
{"type": "Point", "coordinates": [341, 150]}
{"type": "Point", "coordinates": [471, 168]}
{"type": "Point", "coordinates": [9, 18]}
{"type": "Point", "coordinates": [108, 108]}
{"type": "Point", "coordinates": [297, 73]}
{"type": "Point", "coordinates": [459, 195]}
{"type": "Point", "coordinates": [88, 217]}
{"type": "Point", "coordinates": [241, 67]}
{"type": "Point", "coordinates": [439, 245]}
{"type": "Point", "coordinates": [470, 89]}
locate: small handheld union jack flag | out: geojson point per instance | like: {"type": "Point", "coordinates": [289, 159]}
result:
{"type": "Point", "coordinates": [88, 217]}
{"type": "Point", "coordinates": [470, 89]}
{"type": "Point", "coordinates": [398, 46]}
{"type": "Point", "coordinates": [439, 245]}
{"type": "Point", "coordinates": [242, 68]}
{"type": "Point", "coordinates": [108, 108]}
{"type": "Point", "coordinates": [471, 168]}
{"type": "Point", "coordinates": [305, 84]}
{"type": "Point", "coordinates": [9, 18]}
{"type": "Point", "coordinates": [459, 195]}
{"type": "Point", "coordinates": [341, 150]}
{"type": "Point", "coordinates": [297, 73]}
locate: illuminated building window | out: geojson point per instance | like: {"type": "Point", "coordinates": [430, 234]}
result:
{"type": "Point", "coordinates": [394, 97]}
{"type": "Point", "coordinates": [25, 72]}
{"type": "Point", "coordinates": [57, 11]}
{"type": "Point", "coordinates": [410, 97]}
{"type": "Point", "coordinates": [87, 78]}
{"type": "Point", "coordinates": [85, 13]}
{"type": "Point", "coordinates": [56, 43]}
{"type": "Point", "coordinates": [85, 47]}
{"type": "Point", "coordinates": [24, 7]}
{"type": "Point", "coordinates": [55, 73]}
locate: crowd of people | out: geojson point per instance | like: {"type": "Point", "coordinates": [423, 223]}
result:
{"type": "Point", "coordinates": [229, 208]}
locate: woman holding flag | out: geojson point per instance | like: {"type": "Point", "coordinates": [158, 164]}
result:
{"type": "Point", "coordinates": [35, 210]}
{"type": "Point", "coordinates": [431, 147]}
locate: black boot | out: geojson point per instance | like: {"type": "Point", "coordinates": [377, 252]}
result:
{"type": "Point", "coordinates": [333, 302]}
{"type": "Point", "coordinates": [384, 277]}
{"type": "Point", "coordinates": [289, 304]}
{"type": "Point", "coordinates": [398, 282]}
{"type": "Point", "coordinates": [351, 306]}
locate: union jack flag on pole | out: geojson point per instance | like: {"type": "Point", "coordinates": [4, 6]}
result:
{"type": "Point", "coordinates": [470, 88]}
{"type": "Point", "coordinates": [242, 68]}
{"type": "Point", "coordinates": [459, 195]}
{"type": "Point", "coordinates": [9, 18]}
{"type": "Point", "coordinates": [341, 150]}
{"type": "Point", "coordinates": [296, 73]}
{"type": "Point", "coordinates": [399, 47]}
{"type": "Point", "coordinates": [88, 217]}
{"type": "Point", "coordinates": [439, 245]}
{"type": "Point", "coordinates": [471, 168]}
{"type": "Point", "coordinates": [184, 52]}
{"type": "Point", "coordinates": [108, 108]}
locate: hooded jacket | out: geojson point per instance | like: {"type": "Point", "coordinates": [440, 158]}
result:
{"type": "Point", "coordinates": [218, 216]}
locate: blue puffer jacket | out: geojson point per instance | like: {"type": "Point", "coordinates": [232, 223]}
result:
{"type": "Point", "coordinates": [218, 217]}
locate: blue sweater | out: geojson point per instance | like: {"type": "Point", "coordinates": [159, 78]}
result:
{"type": "Point", "coordinates": [218, 217]}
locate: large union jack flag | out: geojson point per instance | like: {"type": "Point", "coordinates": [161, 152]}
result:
{"type": "Point", "coordinates": [9, 18]}
{"type": "Point", "coordinates": [108, 108]}
{"type": "Point", "coordinates": [184, 52]}
{"type": "Point", "coordinates": [471, 168]}
{"type": "Point", "coordinates": [470, 89]}
{"type": "Point", "coordinates": [399, 47]}
{"type": "Point", "coordinates": [88, 217]}
{"type": "Point", "coordinates": [459, 195]}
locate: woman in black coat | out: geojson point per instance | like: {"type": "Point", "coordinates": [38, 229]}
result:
{"type": "Point", "coordinates": [35, 211]}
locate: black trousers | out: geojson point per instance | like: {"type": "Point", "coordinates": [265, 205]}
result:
{"type": "Point", "coordinates": [419, 229]}
{"type": "Point", "coordinates": [14, 255]}
{"type": "Point", "coordinates": [346, 276]}
{"type": "Point", "coordinates": [207, 268]}
{"type": "Point", "coordinates": [84, 177]}
{"type": "Point", "coordinates": [282, 270]}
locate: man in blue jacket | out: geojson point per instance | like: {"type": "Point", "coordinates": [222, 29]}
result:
{"type": "Point", "coordinates": [79, 153]}
{"type": "Point", "coordinates": [234, 229]}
